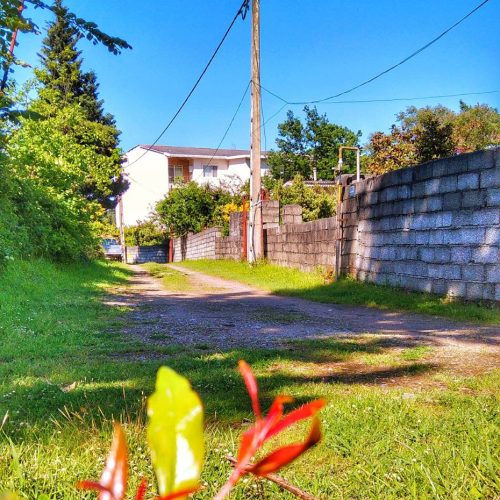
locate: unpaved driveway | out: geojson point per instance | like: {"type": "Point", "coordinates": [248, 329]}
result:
{"type": "Point", "coordinates": [218, 314]}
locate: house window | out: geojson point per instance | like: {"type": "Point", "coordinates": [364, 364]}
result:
{"type": "Point", "coordinates": [209, 170]}
{"type": "Point", "coordinates": [175, 172]}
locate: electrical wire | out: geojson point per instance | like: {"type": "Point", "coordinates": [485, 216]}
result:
{"type": "Point", "coordinates": [391, 99]}
{"type": "Point", "coordinates": [231, 122]}
{"type": "Point", "coordinates": [242, 11]}
{"type": "Point", "coordinates": [384, 72]}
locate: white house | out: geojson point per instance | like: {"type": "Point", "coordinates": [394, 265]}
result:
{"type": "Point", "coordinates": [151, 172]}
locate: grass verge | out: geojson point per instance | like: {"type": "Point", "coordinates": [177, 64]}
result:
{"type": "Point", "coordinates": [311, 286]}
{"type": "Point", "coordinates": [173, 280]}
{"type": "Point", "coordinates": [62, 382]}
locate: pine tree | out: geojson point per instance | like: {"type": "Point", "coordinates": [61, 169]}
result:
{"type": "Point", "coordinates": [64, 83]}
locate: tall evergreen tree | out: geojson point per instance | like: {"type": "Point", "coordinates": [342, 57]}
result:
{"type": "Point", "coordinates": [64, 83]}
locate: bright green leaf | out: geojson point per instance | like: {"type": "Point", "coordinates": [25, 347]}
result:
{"type": "Point", "coordinates": [175, 432]}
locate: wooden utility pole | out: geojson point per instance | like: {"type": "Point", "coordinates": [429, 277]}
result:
{"type": "Point", "coordinates": [256, 235]}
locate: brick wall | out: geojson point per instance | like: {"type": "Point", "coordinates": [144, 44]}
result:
{"type": "Point", "coordinates": [140, 255]}
{"type": "Point", "coordinates": [434, 227]}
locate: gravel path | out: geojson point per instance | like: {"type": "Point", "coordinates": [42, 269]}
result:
{"type": "Point", "coordinates": [219, 314]}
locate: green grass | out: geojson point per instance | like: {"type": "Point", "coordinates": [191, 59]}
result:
{"type": "Point", "coordinates": [173, 280]}
{"type": "Point", "coordinates": [64, 376]}
{"type": "Point", "coordinates": [311, 286]}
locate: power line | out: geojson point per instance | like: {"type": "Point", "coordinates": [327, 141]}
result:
{"type": "Point", "coordinates": [391, 99]}
{"type": "Point", "coordinates": [394, 99]}
{"type": "Point", "coordinates": [242, 11]}
{"type": "Point", "coordinates": [394, 66]}
{"type": "Point", "coordinates": [413, 98]}
{"type": "Point", "coordinates": [231, 122]}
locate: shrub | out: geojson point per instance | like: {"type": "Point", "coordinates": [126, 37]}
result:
{"type": "Point", "coordinates": [316, 203]}
{"type": "Point", "coordinates": [190, 208]}
{"type": "Point", "coordinates": [145, 233]}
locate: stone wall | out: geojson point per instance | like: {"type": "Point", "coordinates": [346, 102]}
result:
{"type": "Point", "coordinates": [434, 227]}
{"type": "Point", "coordinates": [142, 254]}
{"type": "Point", "coordinates": [196, 246]}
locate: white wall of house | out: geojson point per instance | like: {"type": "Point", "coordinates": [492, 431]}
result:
{"type": "Point", "coordinates": [148, 179]}
{"type": "Point", "coordinates": [149, 183]}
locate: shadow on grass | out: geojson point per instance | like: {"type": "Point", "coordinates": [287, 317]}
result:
{"type": "Point", "coordinates": [351, 292]}
{"type": "Point", "coordinates": [115, 389]}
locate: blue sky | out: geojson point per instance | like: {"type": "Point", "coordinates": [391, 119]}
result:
{"type": "Point", "coordinates": [310, 50]}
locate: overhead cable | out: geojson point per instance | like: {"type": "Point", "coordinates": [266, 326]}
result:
{"type": "Point", "coordinates": [242, 11]}
{"type": "Point", "coordinates": [385, 71]}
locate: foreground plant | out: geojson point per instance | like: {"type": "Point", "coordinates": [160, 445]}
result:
{"type": "Point", "coordinates": [175, 437]}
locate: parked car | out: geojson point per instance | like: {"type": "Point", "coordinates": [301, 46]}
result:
{"type": "Point", "coordinates": [112, 249]}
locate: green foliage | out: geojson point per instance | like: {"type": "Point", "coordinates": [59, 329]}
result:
{"type": "Point", "coordinates": [146, 233]}
{"type": "Point", "coordinates": [63, 83]}
{"type": "Point", "coordinates": [316, 202]}
{"type": "Point", "coordinates": [315, 143]}
{"type": "Point", "coordinates": [476, 127]}
{"type": "Point", "coordinates": [68, 373]}
{"type": "Point", "coordinates": [430, 133]}
{"type": "Point", "coordinates": [190, 208]}
{"type": "Point", "coordinates": [11, 19]}
{"type": "Point", "coordinates": [47, 168]}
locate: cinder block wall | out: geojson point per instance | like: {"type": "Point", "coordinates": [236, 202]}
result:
{"type": "Point", "coordinates": [434, 227]}
{"type": "Point", "coordinates": [305, 246]}
{"type": "Point", "coordinates": [140, 255]}
{"type": "Point", "coordinates": [196, 246]}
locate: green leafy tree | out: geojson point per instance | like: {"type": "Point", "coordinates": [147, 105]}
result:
{"type": "Point", "coordinates": [48, 167]}
{"type": "Point", "coordinates": [429, 133]}
{"type": "Point", "coordinates": [430, 130]}
{"type": "Point", "coordinates": [476, 127]}
{"type": "Point", "coordinates": [316, 202]}
{"type": "Point", "coordinates": [315, 143]}
{"type": "Point", "coordinates": [12, 19]}
{"type": "Point", "coordinates": [64, 83]}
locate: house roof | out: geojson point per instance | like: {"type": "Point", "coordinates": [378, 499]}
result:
{"type": "Point", "coordinates": [201, 152]}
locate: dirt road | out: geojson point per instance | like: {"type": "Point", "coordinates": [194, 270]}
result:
{"type": "Point", "coordinates": [219, 314]}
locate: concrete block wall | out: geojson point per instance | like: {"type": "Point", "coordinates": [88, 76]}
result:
{"type": "Point", "coordinates": [306, 246]}
{"type": "Point", "coordinates": [228, 247]}
{"type": "Point", "coordinates": [433, 227]}
{"type": "Point", "coordinates": [142, 254]}
{"type": "Point", "coordinates": [196, 246]}
{"type": "Point", "coordinates": [292, 214]}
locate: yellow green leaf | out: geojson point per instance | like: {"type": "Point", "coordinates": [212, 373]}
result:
{"type": "Point", "coordinates": [175, 433]}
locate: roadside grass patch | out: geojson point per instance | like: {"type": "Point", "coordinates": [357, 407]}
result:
{"type": "Point", "coordinates": [62, 395]}
{"type": "Point", "coordinates": [172, 280]}
{"type": "Point", "coordinates": [311, 286]}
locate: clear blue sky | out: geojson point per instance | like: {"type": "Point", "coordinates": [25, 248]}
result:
{"type": "Point", "coordinates": [309, 50]}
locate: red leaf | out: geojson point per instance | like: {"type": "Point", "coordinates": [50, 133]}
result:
{"type": "Point", "coordinates": [283, 456]}
{"type": "Point", "coordinates": [305, 411]}
{"type": "Point", "coordinates": [252, 388]}
{"type": "Point", "coordinates": [276, 411]}
{"type": "Point", "coordinates": [92, 485]}
{"type": "Point", "coordinates": [247, 441]}
{"type": "Point", "coordinates": [113, 482]}
{"type": "Point", "coordinates": [141, 491]}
